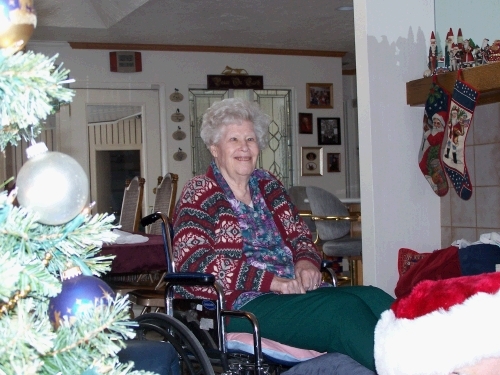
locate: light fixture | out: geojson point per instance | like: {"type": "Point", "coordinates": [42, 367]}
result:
{"type": "Point", "coordinates": [345, 8]}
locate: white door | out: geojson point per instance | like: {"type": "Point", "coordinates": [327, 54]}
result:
{"type": "Point", "coordinates": [73, 138]}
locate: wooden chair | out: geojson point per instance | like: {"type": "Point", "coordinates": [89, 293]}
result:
{"type": "Point", "coordinates": [166, 195]}
{"type": "Point", "coordinates": [131, 212]}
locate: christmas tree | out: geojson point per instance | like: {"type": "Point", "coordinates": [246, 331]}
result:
{"type": "Point", "coordinates": [37, 338]}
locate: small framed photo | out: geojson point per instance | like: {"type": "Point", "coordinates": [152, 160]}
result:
{"type": "Point", "coordinates": [305, 123]}
{"type": "Point", "coordinates": [319, 95]}
{"type": "Point", "coordinates": [312, 161]}
{"type": "Point", "coordinates": [333, 162]}
{"type": "Point", "coordinates": [329, 131]}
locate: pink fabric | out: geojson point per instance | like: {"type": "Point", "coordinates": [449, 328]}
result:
{"type": "Point", "coordinates": [270, 345]}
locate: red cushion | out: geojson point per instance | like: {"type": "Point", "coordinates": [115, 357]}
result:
{"type": "Point", "coordinates": [440, 264]}
{"type": "Point", "coordinates": [407, 258]}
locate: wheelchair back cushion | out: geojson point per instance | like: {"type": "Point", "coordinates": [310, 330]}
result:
{"type": "Point", "coordinates": [277, 352]}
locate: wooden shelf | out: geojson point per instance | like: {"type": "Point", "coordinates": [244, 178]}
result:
{"type": "Point", "coordinates": [484, 78]}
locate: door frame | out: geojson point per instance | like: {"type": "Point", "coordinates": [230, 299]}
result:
{"type": "Point", "coordinates": [72, 132]}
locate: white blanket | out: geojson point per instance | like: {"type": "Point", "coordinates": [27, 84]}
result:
{"type": "Point", "coordinates": [126, 237]}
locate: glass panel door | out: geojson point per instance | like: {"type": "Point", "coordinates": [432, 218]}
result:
{"type": "Point", "coordinates": [277, 158]}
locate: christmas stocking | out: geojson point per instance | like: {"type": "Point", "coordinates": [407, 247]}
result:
{"type": "Point", "coordinates": [463, 103]}
{"type": "Point", "coordinates": [434, 124]}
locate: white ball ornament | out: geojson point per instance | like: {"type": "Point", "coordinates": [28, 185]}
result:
{"type": "Point", "coordinates": [53, 185]}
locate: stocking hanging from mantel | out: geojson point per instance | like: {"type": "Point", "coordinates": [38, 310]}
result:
{"type": "Point", "coordinates": [434, 124]}
{"type": "Point", "coordinates": [463, 103]}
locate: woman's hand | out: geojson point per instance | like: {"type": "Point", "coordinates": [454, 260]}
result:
{"type": "Point", "coordinates": [286, 286]}
{"type": "Point", "coordinates": [308, 275]}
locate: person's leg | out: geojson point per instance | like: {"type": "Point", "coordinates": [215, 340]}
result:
{"type": "Point", "coordinates": [326, 320]}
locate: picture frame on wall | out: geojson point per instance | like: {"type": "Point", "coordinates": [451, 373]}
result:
{"type": "Point", "coordinates": [311, 161]}
{"type": "Point", "coordinates": [329, 131]}
{"type": "Point", "coordinates": [305, 123]}
{"type": "Point", "coordinates": [333, 162]}
{"type": "Point", "coordinates": [319, 95]}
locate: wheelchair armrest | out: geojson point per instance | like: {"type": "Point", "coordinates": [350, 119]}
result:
{"type": "Point", "coordinates": [190, 278]}
{"type": "Point", "coordinates": [257, 342]}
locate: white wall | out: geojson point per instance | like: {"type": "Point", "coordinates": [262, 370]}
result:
{"type": "Point", "coordinates": [183, 70]}
{"type": "Point", "coordinates": [399, 208]}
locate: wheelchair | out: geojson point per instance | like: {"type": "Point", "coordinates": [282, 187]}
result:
{"type": "Point", "coordinates": [200, 350]}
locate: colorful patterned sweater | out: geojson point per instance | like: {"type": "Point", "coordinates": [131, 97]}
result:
{"type": "Point", "coordinates": [208, 237]}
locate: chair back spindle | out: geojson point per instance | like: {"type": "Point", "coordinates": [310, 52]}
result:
{"type": "Point", "coordinates": [166, 194]}
{"type": "Point", "coordinates": [131, 211]}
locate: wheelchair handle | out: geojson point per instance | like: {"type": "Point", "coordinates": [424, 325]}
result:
{"type": "Point", "coordinates": [150, 219]}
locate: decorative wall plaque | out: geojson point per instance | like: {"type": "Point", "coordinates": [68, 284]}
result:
{"type": "Point", "coordinates": [178, 135]}
{"type": "Point", "coordinates": [125, 62]}
{"type": "Point", "coordinates": [215, 82]}
{"type": "Point", "coordinates": [176, 96]}
{"type": "Point", "coordinates": [177, 116]}
{"type": "Point", "coordinates": [180, 155]}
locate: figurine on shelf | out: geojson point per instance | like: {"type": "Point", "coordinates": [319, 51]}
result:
{"type": "Point", "coordinates": [493, 54]}
{"type": "Point", "coordinates": [454, 57]}
{"type": "Point", "coordinates": [482, 55]}
{"type": "Point", "coordinates": [460, 40]}
{"type": "Point", "coordinates": [433, 54]}
{"type": "Point", "coordinates": [447, 48]}
{"type": "Point", "coordinates": [468, 52]}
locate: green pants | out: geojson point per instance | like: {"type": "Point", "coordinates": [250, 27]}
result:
{"type": "Point", "coordinates": [326, 320]}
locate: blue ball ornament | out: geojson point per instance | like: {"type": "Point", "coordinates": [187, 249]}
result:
{"type": "Point", "coordinates": [79, 293]}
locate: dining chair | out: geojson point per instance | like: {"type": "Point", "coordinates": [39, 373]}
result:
{"type": "Point", "coordinates": [166, 195]}
{"type": "Point", "coordinates": [333, 225]}
{"type": "Point", "coordinates": [131, 212]}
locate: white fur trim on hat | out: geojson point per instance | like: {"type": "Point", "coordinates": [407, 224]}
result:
{"type": "Point", "coordinates": [441, 341]}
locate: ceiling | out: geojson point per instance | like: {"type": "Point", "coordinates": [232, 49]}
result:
{"type": "Point", "coordinates": [313, 25]}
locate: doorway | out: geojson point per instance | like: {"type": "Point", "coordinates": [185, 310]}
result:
{"type": "Point", "coordinates": [121, 120]}
{"type": "Point", "coordinates": [113, 168]}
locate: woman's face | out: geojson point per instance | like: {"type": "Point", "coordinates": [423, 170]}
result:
{"type": "Point", "coordinates": [236, 152]}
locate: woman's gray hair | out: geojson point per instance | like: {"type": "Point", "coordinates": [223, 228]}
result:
{"type": "Point", "coordinates": [234, 111]}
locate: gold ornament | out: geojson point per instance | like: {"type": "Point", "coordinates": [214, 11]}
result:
{"type": "Point", "coordinates": [17, 22]}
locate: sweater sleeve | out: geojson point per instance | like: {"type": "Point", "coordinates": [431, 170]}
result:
{"type": "Point", "coordinates": [207, 238]}
{"type": "Point", "coordinates": [293, 229]}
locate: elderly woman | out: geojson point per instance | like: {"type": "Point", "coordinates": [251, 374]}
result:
{"type": "Point", "coordinates": [238, 223]}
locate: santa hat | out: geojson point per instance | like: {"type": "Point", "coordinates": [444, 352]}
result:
{"type": "Point", "coordinates": [441, 116]}
{"type": "Point", "coordinates": [433, 37]}
{"type": "Point", "coordinates": [450, 33]}
{"type": "Point", "coordinates": [440, 327]}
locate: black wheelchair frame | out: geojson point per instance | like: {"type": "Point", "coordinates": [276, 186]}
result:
{"type": "Point", "coordinates": [194, 358]}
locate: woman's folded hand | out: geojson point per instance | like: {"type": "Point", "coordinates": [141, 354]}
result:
{"type": "Point", "coordinates": [286, 286]}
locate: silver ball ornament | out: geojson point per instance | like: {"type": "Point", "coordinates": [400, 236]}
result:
{"type": "Point", "coordinates": [53, 185]}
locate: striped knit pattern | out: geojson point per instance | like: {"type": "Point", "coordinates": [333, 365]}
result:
{"type": "Point", "coordinates": [208, 236]}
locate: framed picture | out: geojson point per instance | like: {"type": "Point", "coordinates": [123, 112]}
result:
{"type": "Point", "coordinates": [329, 131]}
{"type": "Point", "coordinates": [305, 123]}
{"type": "Point", "coordinates": [319, 95]}
{"type": "Point", "coordinates": [312, 161]}
{"type": "Point", "coordinates": [333, 162]}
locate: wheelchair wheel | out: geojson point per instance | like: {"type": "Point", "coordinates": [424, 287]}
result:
{"type": "Point", "coordinates": [162, 327]}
